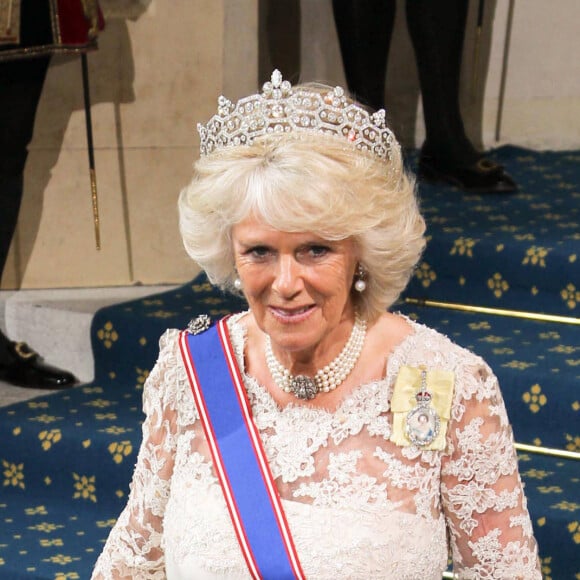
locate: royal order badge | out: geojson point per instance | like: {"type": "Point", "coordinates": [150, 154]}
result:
{"type": "Point", "coordinates": [422, 423]}
{"type": "Point", "coordinates": [421, 407]}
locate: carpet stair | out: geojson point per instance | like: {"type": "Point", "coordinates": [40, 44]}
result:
{"type": "Point", "coordinates": [519, 252]}
{"type": "Point", "coordinates": [66, 482]}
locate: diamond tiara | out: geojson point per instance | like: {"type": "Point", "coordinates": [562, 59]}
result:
{"type": "Point", "coordinates": [282, 109]}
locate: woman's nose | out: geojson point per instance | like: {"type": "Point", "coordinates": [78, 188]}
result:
{"type": "Point", "coordinates": [288, 279]}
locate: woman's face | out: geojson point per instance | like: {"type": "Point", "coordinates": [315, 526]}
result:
{"type": "Point", "coordinates": [298, 285]}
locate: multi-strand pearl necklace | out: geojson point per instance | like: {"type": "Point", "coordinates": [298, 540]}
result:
{"type": "Point", "coordinates": [325, 379]}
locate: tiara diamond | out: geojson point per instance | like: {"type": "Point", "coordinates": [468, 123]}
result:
{"type": "Point", "coordinates": [281, 109]}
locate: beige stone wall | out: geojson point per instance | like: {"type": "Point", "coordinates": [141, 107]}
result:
{"type": "Point", "coordinates": [542, 98]}
{"type": "Point", "coordinates": [160, 67]}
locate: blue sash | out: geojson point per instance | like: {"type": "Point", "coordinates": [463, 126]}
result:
{"type": "Point", "coordinates": [238, 456]}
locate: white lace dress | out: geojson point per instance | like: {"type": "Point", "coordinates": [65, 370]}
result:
{"type": "Point", "coordinates": [358, 505]}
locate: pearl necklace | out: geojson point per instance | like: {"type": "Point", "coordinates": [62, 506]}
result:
{"type": "Point", "coordinates": [325, 379]}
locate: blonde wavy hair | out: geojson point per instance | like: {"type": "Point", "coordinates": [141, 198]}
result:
{"type": "Point", "coordinates": [307, 183]}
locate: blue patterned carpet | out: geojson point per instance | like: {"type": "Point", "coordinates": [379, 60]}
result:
{"type": "Point", "coordinates": [519, 252]}
{"type": "Point", "coordinates": [66, 460]}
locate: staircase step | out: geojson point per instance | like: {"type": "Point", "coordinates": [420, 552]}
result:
{"type": "Point", "coordinates": [553, 493]}
{"type": "Point", "coordinates": [57, 322]}
{"type": "Point", "coordinates": [67, 459]}
{"type": "Point", "coordinates": [519, 252]}
{"type": "Point", "coordinates": [136, 326]}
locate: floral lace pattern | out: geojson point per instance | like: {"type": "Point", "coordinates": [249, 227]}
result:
{"type": "Point", "coordinates": [358, 505]}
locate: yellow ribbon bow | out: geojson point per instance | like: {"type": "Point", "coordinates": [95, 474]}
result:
{"type": "Point", "coordinates": [439, 383]}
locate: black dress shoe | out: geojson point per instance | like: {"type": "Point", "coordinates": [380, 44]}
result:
{"type": "Point", "coordinates": [23, 367]}
{"type": "Point", "coordinates": [482, 176]}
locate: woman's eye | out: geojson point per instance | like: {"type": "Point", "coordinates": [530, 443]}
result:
{"type": "Point", "coordinates": [258, 252]}
{"type": "Point", "coordinates": [318, 251]}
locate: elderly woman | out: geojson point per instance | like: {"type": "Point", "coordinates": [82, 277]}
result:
{"type": "Point", "coordinates": [316, 435]}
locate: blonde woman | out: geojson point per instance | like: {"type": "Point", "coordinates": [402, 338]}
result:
{"type": "Point", "coordinates": [317, 434]}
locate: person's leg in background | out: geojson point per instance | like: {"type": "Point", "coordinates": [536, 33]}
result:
{"type": "Point", "coordinates": [437, 30]}
{"type": "Point", "coordinates": [21, 84]}
{"type": "Point", "coordinates": [364, 30]}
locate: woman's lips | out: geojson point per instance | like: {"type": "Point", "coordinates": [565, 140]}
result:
{"type": "Point", "coordinates": [291, 315]}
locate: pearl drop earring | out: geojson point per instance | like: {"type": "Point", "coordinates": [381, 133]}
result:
{"type": "Point", "coordinates": [360, 285]}
{"type": "Point", "coordinates": [237, 284]}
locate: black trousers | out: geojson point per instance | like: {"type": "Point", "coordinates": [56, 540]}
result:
{"type": "Point", "coordinates": [21, 84]}
{"type": "Point", "coordinates": [437, 30]}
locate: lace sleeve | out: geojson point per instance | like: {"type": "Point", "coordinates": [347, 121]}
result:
{"type": "Point", "coordinates": [489, 525]}
{"type": "Point", "coordinates": [133, 549]}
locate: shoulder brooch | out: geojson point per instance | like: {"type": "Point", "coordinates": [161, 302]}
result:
{"type": "Point", "coordinates": [199, 324]}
